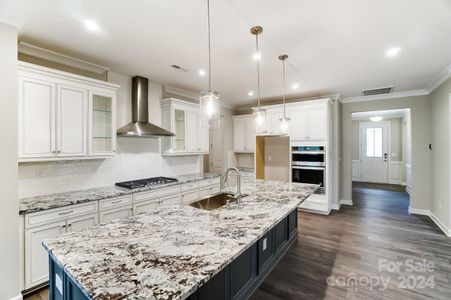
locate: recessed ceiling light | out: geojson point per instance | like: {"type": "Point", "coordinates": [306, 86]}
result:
{"type": "Point", "coordinates": [250, 93]}
{"type": "Point", "coordinates": [295, 86]}
{"type": "Point", "coordinates": [202, 72]}
{"type": "Point", "coordinates": [91, 25]}
{"type": "Point", "coordinates": [392, 52]}
{"type": "Point", "coordinates": [257, 56]}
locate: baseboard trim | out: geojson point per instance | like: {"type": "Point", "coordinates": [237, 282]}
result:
{"type": "Point", "coordinates": [434, 218]}
{"type": "Point", "coordinates": [18, 297]}
{"type": "Point", "coordinates": [346, 202]}
{"type": "Point", "coordinates": [336, 206]}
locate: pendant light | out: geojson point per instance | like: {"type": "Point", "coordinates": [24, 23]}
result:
{"type": "Point", "coordinates": [284, 123]}
{"type": "Point", "coordinates": [259, 113]}
{"type": "Point", "coordinates": [209, 100]}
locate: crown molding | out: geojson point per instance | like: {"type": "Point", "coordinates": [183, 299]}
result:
{"type": "Point", "coordinates": [46, 54]}
{"type": "Point", "coordinates": [444, 75]}
{"type": "Point", "coordinates": [188, 95]}
{"type": "Point", "coordinates": [413, 93]}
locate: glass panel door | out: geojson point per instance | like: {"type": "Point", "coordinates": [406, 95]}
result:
{"type": "Point", "coordinates": [102, 131]}
{"type": "Point", "coordinates": [179, 128]}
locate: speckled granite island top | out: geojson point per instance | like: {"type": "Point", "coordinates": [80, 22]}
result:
{"type": "Point", "coordinates": [170, 252]}
{"type": "Point", "coordinates": [34, 204]}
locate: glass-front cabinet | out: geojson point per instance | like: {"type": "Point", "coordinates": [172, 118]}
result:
{"type": "Point", "coordinates": [102, 133]}
{"type": "Point", "coordinates": [179, 129]}
{"type": "Point", "coordinates": [182, 118]}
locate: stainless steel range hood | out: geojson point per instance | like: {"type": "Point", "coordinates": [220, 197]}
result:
{"type": "Point", "coordinates": [140, 126]}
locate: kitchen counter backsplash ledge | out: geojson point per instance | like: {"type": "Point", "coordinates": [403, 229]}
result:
{"type": "Point", "coordinates": [57, 200]}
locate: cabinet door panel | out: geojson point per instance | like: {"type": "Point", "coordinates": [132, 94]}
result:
{"type": "Point", "coordinates": [113, 214]}
{"type": "Point", "coordinates": [276, 115]}
{"type": "Point", "coordinates": [239, 131]}
{"type": "Point", "coordinates": [192, 141]}
{"type": "Point", "coordinates": [36, 118]}
{"type": "Point", "coordinates": [249, 134]}
{"type": "Point", "coordinates": [102, 126]}
{"type": "Point", "coordinates": [144, 206]}
{"type": "Point", "coordinates": [204, 139]}
{"type": "Point", "coordinates": [72, 116]}
{"type": "Point", "coordinates": [170, 200]}
{"type": "Point", "coordinates": [79, 223]}
{"type": "Point", "coordinates": [299, 125]}
{"type": "Point", "coordinates": [36, 258]}
{"type": "Point", "coordinates": [317, 124]}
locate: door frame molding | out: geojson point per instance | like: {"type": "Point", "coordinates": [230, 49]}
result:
{"type": "Point", "coordinates": [361, 125]}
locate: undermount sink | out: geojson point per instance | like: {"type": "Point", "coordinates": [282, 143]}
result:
{"type": "Point", "coordinates": [216, 201]}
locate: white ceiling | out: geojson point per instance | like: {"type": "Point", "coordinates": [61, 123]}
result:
{"type": "Point", "coordinates": [333, 46]}
{"type": "Point", "coordinates": [387, 114]}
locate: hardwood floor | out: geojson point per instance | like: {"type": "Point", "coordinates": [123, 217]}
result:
{"type": "Point", "coordinates": [351, 243]}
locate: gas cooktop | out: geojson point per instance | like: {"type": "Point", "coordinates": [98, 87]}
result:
{"type": "Point", "coordinates": [140, 183]}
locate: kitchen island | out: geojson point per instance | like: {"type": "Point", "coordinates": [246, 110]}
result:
{"type": "Point", "coordinates": [179, 251]}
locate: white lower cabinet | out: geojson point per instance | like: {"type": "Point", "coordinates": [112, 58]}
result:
{"type": "Point", "coordinates": [116, 213]}
{"type": "Point", "coordinates": [36, 258]}
{"type": "Point", "coordinates": [49, 224]}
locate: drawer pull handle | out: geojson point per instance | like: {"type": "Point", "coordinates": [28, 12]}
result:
{"type": "Point", "coordinates": [116, 201]}
{"type": "Point", "coordinates": [66, 213]}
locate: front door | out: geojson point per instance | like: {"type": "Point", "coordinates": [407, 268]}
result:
{"type": "Point", "coordinates": [374, 151]}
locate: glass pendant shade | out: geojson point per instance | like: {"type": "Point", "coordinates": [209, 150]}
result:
{"type": "Point", "coordinates": [260, 117]}
{"type": "Point", "coordinates": [284, 125]}
{"type": "Point", "coordinates": [209, 109]}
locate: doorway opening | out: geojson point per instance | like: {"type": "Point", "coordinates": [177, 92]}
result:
{"type": "Point", "coordinates": [381, 150]}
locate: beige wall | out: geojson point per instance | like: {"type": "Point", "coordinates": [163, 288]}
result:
{"type": "Point", "coordinates": [277, 158]}
{"type": "Point", "coordinates": [9, 212]}
{"type": "Point", "coordinates": [419, 110]}
{"type": "Point", "coordinates": [440, 138]}
{"type": "Point", "coordinates": [396, 138]}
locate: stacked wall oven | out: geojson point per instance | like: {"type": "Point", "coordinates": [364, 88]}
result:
{"type": "Point", "coordinates": [308, 165]}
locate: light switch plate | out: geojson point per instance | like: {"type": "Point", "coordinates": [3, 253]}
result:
{"type": "Point", "coordinates": [265, 243]}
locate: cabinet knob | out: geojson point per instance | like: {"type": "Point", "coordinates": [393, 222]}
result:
{"type": "Point", "coordinates": [53, 151]}
{"type": "Point", "coordinates": [59, 151]}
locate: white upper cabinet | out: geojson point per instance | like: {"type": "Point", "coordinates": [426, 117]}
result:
{"type": "Point", "coordinates": [309, 123]}
{"type": "Point", "coordinates": [37, 118]}
{"type": "Point", "coordinates": [243, 133]}
{"type": "Point", "coordinates": [64, 116]}
{"type": "Point", "coordinates": [71, 122]}
{"type": "Point", "coordinates": [183, 119]}
{"type": "Point", "coordinates": [299, 124]}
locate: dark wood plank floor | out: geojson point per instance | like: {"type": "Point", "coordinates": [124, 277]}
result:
{"type": "Point", "coordinates": [352, 242]}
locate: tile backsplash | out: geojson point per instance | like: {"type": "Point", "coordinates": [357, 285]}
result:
{"type": "Point", "coordinates": [136, 158]}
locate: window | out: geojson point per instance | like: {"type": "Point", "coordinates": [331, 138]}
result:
{"type": "Point", "coordinates": [374, 142]}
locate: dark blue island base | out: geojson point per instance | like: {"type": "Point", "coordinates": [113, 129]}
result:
{"type": "Point", "coordinates": [238, 280]}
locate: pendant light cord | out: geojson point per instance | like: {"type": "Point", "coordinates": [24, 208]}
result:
{"type": "Point", "coordinates": [209, 46]}
{"type": "Point", "coordinates": [283, 80]}
{"type": "Point", "coordinates": [258, 70]}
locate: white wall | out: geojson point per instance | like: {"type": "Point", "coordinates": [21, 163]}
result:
{"type": "Point", "coordinates": [440, 134]}
{"type": "Point", "coordinates": [136, 157]}
{"type": "Point", "coordinates": [420, 160]}
{"type": "Point", "coordinates": [9, 212]}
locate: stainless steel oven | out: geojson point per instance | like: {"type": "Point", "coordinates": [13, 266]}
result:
{"type": "Point", "coordinates": [308, 164]}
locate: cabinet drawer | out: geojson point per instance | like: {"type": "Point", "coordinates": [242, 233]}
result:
{"type": "Point", "coordinates": [115, 202]}
{"type": "Point", "coordinates": [113, 214]}
{"type": "Point", "coordinates": [209, 191]}
{"type": "Point", "coordinates": [39, 218]}
{"type": "Point", "coordinates": [144, 206]}
{"type": "Point", "coordinates": [190, 186]}
{"type": "Point", "coordinates": [169, 200]}
{"type": "Point", "coordinates": [207, 182]}
{"type": "Point", "coordinates": [153, 195]}
{"type": "Point", "coordinates": [189, 197]}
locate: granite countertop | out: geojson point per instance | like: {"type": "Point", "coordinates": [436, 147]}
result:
{"type": "Point", "coordinates": [39, 203]}
{"type": "Point", "coordinates": [168, 253]}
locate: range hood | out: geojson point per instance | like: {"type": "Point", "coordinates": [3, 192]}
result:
{"type": "Point", "coordinates": [140, 126]}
